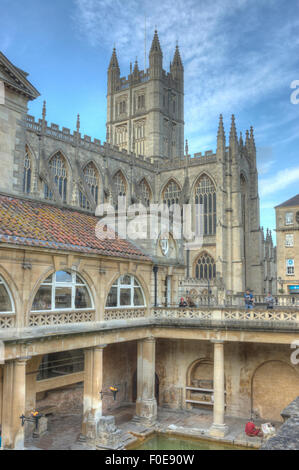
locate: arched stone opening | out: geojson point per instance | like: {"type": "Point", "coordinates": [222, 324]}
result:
{"type": "Point", "coordinates": [200, 384]}
{"type": "Point", "coordinates": [274, 385]}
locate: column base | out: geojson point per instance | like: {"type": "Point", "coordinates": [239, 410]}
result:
{"type": "Point", "coordinates": [218, 430]}
{"type": "Point", "coordinates": [146, 411]}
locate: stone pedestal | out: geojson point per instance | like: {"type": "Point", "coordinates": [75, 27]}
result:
{"type": "Point", "coordinates": [108, 436]}
{"type": "Point", "coordinates": [219, 428]}
{"type": "Point", "coordinates": [30, 429]}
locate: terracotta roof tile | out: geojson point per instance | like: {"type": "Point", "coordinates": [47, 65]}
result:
{"type": "Point", "coordinates": [31, 223]}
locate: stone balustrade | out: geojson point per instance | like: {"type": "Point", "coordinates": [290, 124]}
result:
{"type": "Point", "coordinates": [61, 318]}
{"type": "Point", "coordinates": [226, 314]}
{"type": "Point", "coordinates": [124, 313]}
{"type": "Point", "coordinates": [7, 321]}
{"type": "Point", "coordinates": [279, 300]}
{"type": "Point", "coordinates": [215, 313]}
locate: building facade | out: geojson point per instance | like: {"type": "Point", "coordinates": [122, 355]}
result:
{"type": "Point", "coordinates": [287, 235]}
{"type": "Point", "coordinates": [144, 159]}
{"type": "Point", "coordinates": [80, 312]}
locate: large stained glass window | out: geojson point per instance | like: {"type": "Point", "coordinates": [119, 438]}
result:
{"type": "Point", "coordinates": [205, 268]}
{"type": "Point", "coordinates": [205, 194]}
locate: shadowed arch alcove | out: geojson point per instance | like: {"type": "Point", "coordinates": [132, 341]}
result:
{"type": "Point", "coordinates": [200, 384]}
{"type": "Point", "coordinates": [274, 385]}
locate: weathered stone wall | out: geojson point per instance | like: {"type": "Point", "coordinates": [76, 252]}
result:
{"type": "Point", "coordinates": [256, 375]}
{"type": "Point", "coordinates": [68, 400]}
{"type": "Point", "coordinates": [120, 363]}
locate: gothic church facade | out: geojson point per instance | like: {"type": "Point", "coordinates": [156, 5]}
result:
{"type": "Point", "coordinates": [145, 159]}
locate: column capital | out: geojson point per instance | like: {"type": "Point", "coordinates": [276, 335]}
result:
{"type": "Point", "coordinates": [217, 341]}
{"type": "Point", "coordinates": [23, 359]}
{"type": "Point", "coordinates": [100, 346]}
{"type": "Point", "coordinates": [150, 339]}
{"type": "Point", "coordinates": [95, 348]}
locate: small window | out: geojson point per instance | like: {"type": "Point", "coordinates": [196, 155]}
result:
{"type": "Point", "coordinates": [290, 267]}
{"type": "Point", "coordinates": [27, 174]}
{"type": "Point", "coordinates": [126, 292]}
{"type": "Point", "coordinates": [289, 240]}
{"type": "Point", "coordinates": [62, 291]}
{"type": "Point", "coordinates": [289, 218]}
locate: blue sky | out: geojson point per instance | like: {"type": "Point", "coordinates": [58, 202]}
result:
{"type": "Point", "coordinates": [240, 56]}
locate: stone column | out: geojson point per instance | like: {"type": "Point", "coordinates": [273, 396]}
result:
{"type": "Point", "coordinates": [218, 429]}
{"type": "Point", "coordinates": [14, 393]}
{"type": "Point", "coordinates": [93, 385]}
{"type": "Point", "coordinates": [146, 405]}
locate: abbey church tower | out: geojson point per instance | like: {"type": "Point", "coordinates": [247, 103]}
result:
{"type": "Point", "coordinates": [145, 112]}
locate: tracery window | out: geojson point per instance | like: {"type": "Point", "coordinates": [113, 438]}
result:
{"type": "Point", "coordinates": [205, 268]}
{"type": "Point", "coordinates": [6, 302]}
{"type": "Point", "coordinates": [205, 194]}
{"type": "Point", "coordinates": [62, 291]}
{"type": "Point", "coordinates": [146, 192]}
{"type": "Point", "coordinates": [141, 101]}
{"type": "Point", "coordinates": [126, 292]}
{"type": "Point", "coordinates": [139, 137]}
{"type": "Point", "coordinates": [120, 184]}
{"type": "Point", "coordinates": [121, 136]}
{"type": "Point", "coordinates": [58, 169]}
{"type": "Point", "coordinates": [171, 194]}
{"type": "Point", "coordinates": [27, 173]}
{"type": "Point", "coordinates": [92, 180]}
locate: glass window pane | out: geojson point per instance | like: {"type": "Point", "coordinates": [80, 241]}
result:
{"type": "Point", "coordinates": [48, 280]}
{"type": "Point", "coordinates": [125, 297]}
{"type": "Point", "coordinates": [138, 297]}
{"type": "Point", "coordinates": [82, 299]}
{"type": "Point", "coordinates": [79, 280]}
{"type": "Point", "coordinates": [5, 303]}
{"type": "Point", "coordinates": [62, 276]}
{"type": "Point", "coordinates": [125, 280]}
{"type": "Point", "coordinates": [42, 300]}
{"type": "Point", "coordinates": [112, 298]}
{"type": "Point", "coordinates": [136, 283]}
{"type": "Point", "coordinates": [63, 297]}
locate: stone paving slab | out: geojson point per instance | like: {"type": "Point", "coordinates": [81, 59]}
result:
{"type": "Point", "coordinates": [64, 430]}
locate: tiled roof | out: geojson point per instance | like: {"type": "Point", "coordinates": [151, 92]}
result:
{"type": "Point", "coordinates": [294, 201]}
{"type": "Point", "coordinates": [30, 223]}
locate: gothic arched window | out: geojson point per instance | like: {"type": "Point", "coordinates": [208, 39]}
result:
{"type": "Point", "coordinates": [146, 192]}
{"type": "Point", "coordinates": [6, 302]}
{"type": "Point", "coordinates": [171, 193]}
{"type": "Point", "coordinates": [27, 173]}
{"type": "Point", "coordinates": [62, 291]}
{"type": "Point", "coordinates": [92, 180]}
{"type": "Point", "coordinates": [120, 184]}
{"type": "Point", "coordinates": [205, 194]}
{"type": "Point", "coordinates": [126, 292]}
{"type": "Point", "coordinates": [58, 169]}
{"type": "Point", "coordinates": [205, 268]}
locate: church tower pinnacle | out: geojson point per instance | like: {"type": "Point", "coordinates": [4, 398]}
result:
{"type": "Point", "coordinates": [176, 67]}
{"type": "Point", "coordinates": [155, 58]}
{"type": "Point", "coordinates": [113, 73]}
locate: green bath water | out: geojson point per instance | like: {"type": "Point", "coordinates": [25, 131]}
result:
{"type": "Point", "coordinates": [162, 442]}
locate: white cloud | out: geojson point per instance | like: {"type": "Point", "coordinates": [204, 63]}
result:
{"type": "Point", "coordinates": [281, 180]}
{"type": "Point", "coordinates": [219, 77]}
